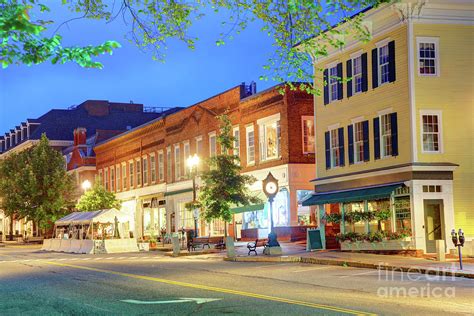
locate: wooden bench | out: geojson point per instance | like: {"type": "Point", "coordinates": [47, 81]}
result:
{"type": "Point", "coordinates": [199, 241]}
{"type": "Point", "coordinates": [252, 246]}
{"type": "Point", "coordinates": [31, 239]}
{"type": "Point", "coordinates": [217, 241]}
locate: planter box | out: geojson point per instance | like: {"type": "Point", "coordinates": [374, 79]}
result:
{"type": "Point", "coordinates": [377, 246]}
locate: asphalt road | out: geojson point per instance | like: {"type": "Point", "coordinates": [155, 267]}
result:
{"type": "Point", "coordinates": [38, 283]}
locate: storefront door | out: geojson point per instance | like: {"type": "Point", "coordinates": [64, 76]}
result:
{"type": "Point", "coordinates": [433, 223]}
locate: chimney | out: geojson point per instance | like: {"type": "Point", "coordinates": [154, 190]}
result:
{"type": "Point", "coordinates": [80, 136]}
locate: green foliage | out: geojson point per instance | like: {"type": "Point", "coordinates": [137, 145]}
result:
{"type": "Point", "coordinates": [378, 236]}
{"type": "Point", "coordinates": [223, 185]}
{"type": "Point", "coordinates": [97, 198]}
{"type": "Point", "coordinates": [289, 23]}
{"type": "Point", "coordinates": [24, 42]}
{"type": "Point", "coordinates": [34, 184]}
{"type": "Point", "coordinates": [333, 218]}
{"type": "Point", "coordinates": [383, 214]}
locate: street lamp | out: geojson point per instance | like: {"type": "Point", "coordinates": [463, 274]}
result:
{"type": "Point", "coordinates": [270, 188]}
{"type": "Point", "coordinates": [454, 236]}
{"type": "Point", "coordinates": [193, 162]}
{"type": "Point", "coordinates": [86, 185]}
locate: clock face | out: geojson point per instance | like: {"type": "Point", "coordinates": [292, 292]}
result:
{"type": "Point", "coordinates": [271, 188]}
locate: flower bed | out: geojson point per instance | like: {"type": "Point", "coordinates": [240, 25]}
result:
{"type": "Point", "coordinates": [375, 241]}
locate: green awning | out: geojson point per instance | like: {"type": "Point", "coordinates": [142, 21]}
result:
{"type": "Point", "coordinates": [356, 195]}
{"type": "Point", "coordinates": [248, 208]}
{"type": "Point", "coordinates": [178, 192]}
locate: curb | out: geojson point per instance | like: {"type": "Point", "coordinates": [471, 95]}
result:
{"type": "Point", "coordinates": [354, 264]}
{"type": "Point", "coordinates": [188, 254]}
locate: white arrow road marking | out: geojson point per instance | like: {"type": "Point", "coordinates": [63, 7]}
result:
{"type": "Point", "coordinates": [181, 300]}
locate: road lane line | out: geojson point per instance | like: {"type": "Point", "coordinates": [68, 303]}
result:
{"type": "Point", "coordinates": [362, 273]}
{"type": "Point", "coordinates": [310, 269]}
{"type": "Point", "coordinates": [214, 289]}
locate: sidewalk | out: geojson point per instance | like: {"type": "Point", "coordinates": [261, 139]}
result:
{"type": "Point", "coordinates": [293, 252]}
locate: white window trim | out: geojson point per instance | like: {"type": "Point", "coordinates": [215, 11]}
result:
{"type": "Point", "coordinates": [353, 82]}
{"type": "Point", "coordinates": [130, 174]}
{"type": "Point", "coordinates": [169, 164]}
{"type": "Point", "coordinates": [101, 177]}
{"type": "Point", "coordinates": [268, 119]}
{"type": "Point", "coordinates": [357, 119]}
{"type": "Point", "coordinates": [136, 172]}
{"type": "Point", "coordinates": [261, 124]}
{"type": "Point", "coordinates": [329, 85]}
{"type": "Point", "coordinates": [385, 111]}
{"type": "Point", "coordinates": [330, 147]}
{"type": "Point", "coordinates": [306, 118]}
{"type": "Point", "coordinates": [177, 169]}
{"type": "Point", "coordinates": [354, 153]}
{"type": "Point", "coordinates": [162, 164]}
{"type": "Point", "coordinates": [333, 64]}
{"type": "Point", "coordinates": [248, 130]}
{"type": "Point", "coordinates": [439, 113]}
{"type": "Point", "coordinates": [430, 40]}
{"type": "Point", "coordinates": [382, 156]}
{"type": "Point", "coordinates": [118, 180]}
{"type": "Point", "coordinates": [379, 68]}
{"type": "Point", "coordinates": [151, 164]}
{"type": "Point", "coordinates": [383, 42]}
{"type": "Point", "coordinates": [145, 180]}
{"type": "Point", "coordinates": [334, 126]}
{"type": "Point", "coordinates": [210, 135]}
{"type": "Point", "coordinates": [234, 129]}
{"type": "Point", "coordinates": [124, 179]}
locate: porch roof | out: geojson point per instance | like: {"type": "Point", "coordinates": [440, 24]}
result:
{"type": "Point", "coordinates": [354, 195]}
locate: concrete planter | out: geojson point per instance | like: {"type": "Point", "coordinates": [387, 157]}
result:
{"type": "Point", "coordinates": [383, 245]}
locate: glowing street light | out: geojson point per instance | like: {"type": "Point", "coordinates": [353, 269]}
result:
{"type": "Point", "coordinates": [86, 185]}
{"type": "Point", "coordinates": [192, 162]}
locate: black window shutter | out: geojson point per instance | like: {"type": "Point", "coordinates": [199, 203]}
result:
{"type": "Point", "coordinates": [394, 127]}
{"type": "Point", "coordinates": [350, 136]}
{"type": "Point", "coordinates": [391, 62]}
{"type": "Point", "coordinates": [364, 72]}
{"type": "Point", "coordinates": [339, 82]}
{"type": "Point", "coordinates": [328, 153]}
{"type": "Point", "coordinates": [326, 87]}
{"type": "Point", "coordinates": [341, 145]}
{"type": "Point", "coordinates": [375, 71]}
{"type": "Point", "coordinates": [349, 79]}
{"type": "Point", "coordinates": [377, 138]}
{"type": "Point", "coordinates": [365, 133]}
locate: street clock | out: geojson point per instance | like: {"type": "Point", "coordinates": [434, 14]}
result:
{"type": "Point", "coordinates": [270, 186]}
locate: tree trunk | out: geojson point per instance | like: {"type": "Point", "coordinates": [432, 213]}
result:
{"type": "Point", "coordinates": [225, 229]}
{"type": "Point", "coordinates": [10, 237]}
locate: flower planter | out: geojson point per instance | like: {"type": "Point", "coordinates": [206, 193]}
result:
{"type": "Point", "coordinates": [383, 245]}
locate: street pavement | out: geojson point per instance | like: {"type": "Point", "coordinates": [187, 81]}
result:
{"type": "Point", "coordinates": [33, 282]}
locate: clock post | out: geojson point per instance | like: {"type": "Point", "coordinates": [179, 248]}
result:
{"type": "Point", "coordinates": [270, 188]}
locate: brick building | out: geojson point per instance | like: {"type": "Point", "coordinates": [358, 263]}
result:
{"type": "Point", "coordinates": [146, 166]}
{"type": "Point", "coordinates": [98, 118]}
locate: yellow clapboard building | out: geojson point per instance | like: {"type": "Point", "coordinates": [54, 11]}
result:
{"type": "Point", "coordinates": [397, 132]}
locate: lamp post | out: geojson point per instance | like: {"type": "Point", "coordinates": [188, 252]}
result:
{"type": "Point", "coordinates": [459, 244]}
{"type": "Point", "coordinates": [193, 162]}
{"type": "Point", "coordinates": [86, 185]}
{"type": "Point", "coordinates": [270, 188]}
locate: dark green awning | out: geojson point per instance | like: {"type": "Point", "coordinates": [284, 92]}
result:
{"type": "Point", "coordinates": [178, 192]}
{"type": "Point", "coordinates": [248, 208]}
{"type": "Point", "coordinates": [370, 193]}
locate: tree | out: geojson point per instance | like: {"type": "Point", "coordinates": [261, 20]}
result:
{"type": "Point", "coordinates": [153, 23]}
{"type": "Point", "coordinates": [97, 198]}
{"type": "Point", "coordinates": [24, 42]}
{"type": "Point", "coordinates": [223, 185]}
{"type": "Point", "coordinates": [35, 186]}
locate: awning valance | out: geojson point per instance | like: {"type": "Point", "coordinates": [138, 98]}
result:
{"type": "Point", "coordinates": [101, 216]}
{"type": "Point", "coordinates": [247, 208]}
{"type": "Point", "coordinates": [368, 193]}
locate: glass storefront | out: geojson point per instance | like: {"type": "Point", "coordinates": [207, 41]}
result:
{"type": "Point", "coordinates": [303, 211]}
{"type": "Point", "coordinates": [402, 213]}
{"type": "Point", "coordinates": [261, 218]}
{"type": "Point", "coordinates": [154, 220]}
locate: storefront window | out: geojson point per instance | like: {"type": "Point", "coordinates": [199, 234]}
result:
{"type": "Point", "coordinates": [303, 211]}
{"type": "Point", "coordinates": [403, 214]}
{"type": "Point", "coordinates": [217, 228]}
{"type": "Point", "coordinates": [186, 218]}
{"type": "Point", "coordinates": [280, 208]}
{"type": "Point", "coordinates": [257, 219]}
{"type": "Point", "coordinates": [380, 206]}
{"type": "Point", "coordinates": [351, 226]}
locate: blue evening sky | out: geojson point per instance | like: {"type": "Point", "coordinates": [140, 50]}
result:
{"type": "Point", "coordinates": [185, 78]}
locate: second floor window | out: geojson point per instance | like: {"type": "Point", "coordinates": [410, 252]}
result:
{"type": "Point", "coordinates": [250, 145]}
{"type": "Point", "coordinates": [131, 173]}
{"type": "Point", "coordinates": [112, 179]}
{"type": "Point", "coordinates": [169, 171]}
{"type": "Point", "coordinates": [333, 82]}
{"type": "Point", "coordinates": [212, 145]}
{"type": "Point", "coordinates": [106, 179]}
{"type": "Point", "coordinates": [269, 140]}
{"type": "Point", "coordinates": [118, 180]}
{"type": "Point", "coordinates": [357, 74]}
{"type": "Point", "coordinates": [101, 178]}
{"type": "Point", "coordinates": [145, 170]}
{"type": "Point", "coordinates": [138, 169]}
{"type": "Point", "coordinates": [383, 63]}
{"type": "Point", "coordinates": [124, 177]}
{"type": "Point", "coordinates": [236, 145]}
{"type": "Point", "coordinates": [153, 168]}
{"type": "Point", "coordinates": [177, 163]}
{"type": "Point", "coordinates": [427, 56]}
{"type": "Point", "coordinates": [334, 145]}
{"type": "Point", "coordinates": [187, 154]}
{"type": "Point", "coordinates": [161, 166]}
{"type": "Point", "coordinates": [431, 133]}
{"type": "Point", "coordinates": [308, 134]}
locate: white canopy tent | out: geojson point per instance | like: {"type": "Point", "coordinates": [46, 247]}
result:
{"type": "Point", "coordinates": [103, 231]}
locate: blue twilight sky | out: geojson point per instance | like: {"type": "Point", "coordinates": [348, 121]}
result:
{"type": "Point", "coordinates": [185, 78]}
